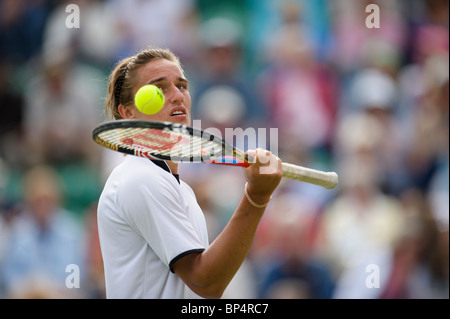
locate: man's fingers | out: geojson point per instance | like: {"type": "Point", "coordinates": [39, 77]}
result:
{"type": "Point", "coordinates": [264, 157]}
{"type": "Point", "coordinates": [264, 161]}
{"type": "Point", "coordinates": [251, 155]}
{"type": "Point", "coordinates": [259, 156]}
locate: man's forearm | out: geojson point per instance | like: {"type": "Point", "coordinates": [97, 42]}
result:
{"type": "Point", "coordinates": [210, 272]}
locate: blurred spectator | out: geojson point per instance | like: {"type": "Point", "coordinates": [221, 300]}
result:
{"type": "Point", "coordinates": [62, 107]}
{"type": "Point", "coordinates": [438, 11]}
{"type": "Point", "coordinates": [12, 103]}
{"type": "Point", "coordinates": [419, 267]}
{"type": "Point", "coordinates": [95, 41]}
{"type": "Point", "coordinates": [43, 241]}
{"type": "Point", "coordinates": [299, 91]}
{"type": "Point", "coordinates": [424, 77]}
{"type": "Point", "coordinates": [158, 23]}
{"type": "Point", "coordinates": [4, 236]}
{"type": "Point", "coordinates": [359, 227]}
{"type": "Point", "coordinates": [283, 251]}
{"type": "Point", "coordinates": [224, 96]}
{"type": "Point", "coordinates": [22, 24]}
{"type": "Point", "coordinates": [94, 281]}
{"type": "Point", "coordinates": [267, 17]}
{"type": "Point", "coordinates": [373, 97]}
{"type": "Point", "coordinates": [428, 117]}
{"type": "Point", "coordinates": [372, 88]}
{"type": "Point", "coordinates": [428, 41]}
{"type": "Point", "coordinates": [439, 193]}
{"type": "Point", "coordinates": [355, 45]}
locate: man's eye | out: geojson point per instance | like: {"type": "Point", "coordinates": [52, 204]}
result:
{"type": "Point", "coordinates": [162, 87]}
{"type": "Point", "coordinates": [182, 86]}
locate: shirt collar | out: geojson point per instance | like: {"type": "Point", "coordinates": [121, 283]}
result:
{"type": "Point", "coordinates": [165, 167]}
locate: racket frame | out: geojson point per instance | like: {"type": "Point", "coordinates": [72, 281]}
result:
{"type": "Point", "coordinates": [229, 155]}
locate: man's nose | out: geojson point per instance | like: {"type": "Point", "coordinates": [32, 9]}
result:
{"type": "Point", "coordinates": [175, 95]}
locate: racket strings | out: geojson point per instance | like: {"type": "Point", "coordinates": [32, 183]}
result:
{"type": "Point", "coordinates": [174, 145]}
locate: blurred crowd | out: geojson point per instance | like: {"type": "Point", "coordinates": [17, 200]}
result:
{"type": "Point", "coordinates": [369, 103]}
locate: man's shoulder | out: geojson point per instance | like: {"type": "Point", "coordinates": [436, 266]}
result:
{"type": "Point", "coordinates": [139, 173]}
{"type": "Point", "coordinates": [137, 168]}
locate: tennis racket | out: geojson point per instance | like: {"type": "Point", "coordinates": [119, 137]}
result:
{"type": "Point", "coordinates": [181, 143]}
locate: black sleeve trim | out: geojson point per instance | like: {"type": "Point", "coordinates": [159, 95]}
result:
{"type": "Point", "coordinates": [184, 254]}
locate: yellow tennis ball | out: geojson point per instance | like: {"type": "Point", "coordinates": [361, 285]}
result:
{"type": "Point", "coordinates": [149, 99]}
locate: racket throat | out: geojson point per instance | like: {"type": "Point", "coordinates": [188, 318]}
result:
{"type": "Point", "coordinates": [230, 160]}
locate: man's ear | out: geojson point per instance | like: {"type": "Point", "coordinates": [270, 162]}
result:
{"type": "Point", "coordinates": [125, 112]}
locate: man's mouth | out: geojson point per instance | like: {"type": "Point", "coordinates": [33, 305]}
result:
{"type": "Point", "coordinates": [178, 112]}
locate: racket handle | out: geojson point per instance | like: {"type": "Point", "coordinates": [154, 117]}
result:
{"type": "Point", "coordinates": [328, 180]}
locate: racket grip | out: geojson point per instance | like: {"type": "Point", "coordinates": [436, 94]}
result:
{"type": "Point", "coordinates": [328, 180]}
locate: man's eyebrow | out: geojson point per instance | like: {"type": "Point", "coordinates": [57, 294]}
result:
{"type": "Point", "coordinates": [181, 79]}
{"type": "Point", "coordinates": [156, 80]}
{"type": "Point", "coordinates": [161, 79]}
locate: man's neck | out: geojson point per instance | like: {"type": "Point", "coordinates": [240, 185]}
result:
{"type": "Point", "coordinates": [173, 167]}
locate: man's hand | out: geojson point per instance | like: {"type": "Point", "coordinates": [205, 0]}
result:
{"type": "Point", "coordinates": [263, 175]}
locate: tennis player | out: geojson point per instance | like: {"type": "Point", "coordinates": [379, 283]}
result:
{"type": "Point", "coordinates": [153, 233]}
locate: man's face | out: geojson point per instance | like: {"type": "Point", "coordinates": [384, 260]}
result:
{"type": "Point", "coordinates": [170, 79]}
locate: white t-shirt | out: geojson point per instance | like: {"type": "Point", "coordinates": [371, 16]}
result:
{"type": "Point", "coordinates": [147, 219]}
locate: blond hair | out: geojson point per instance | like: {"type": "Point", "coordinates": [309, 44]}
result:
{"type": "Point", "coordinates": [123, 78]}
